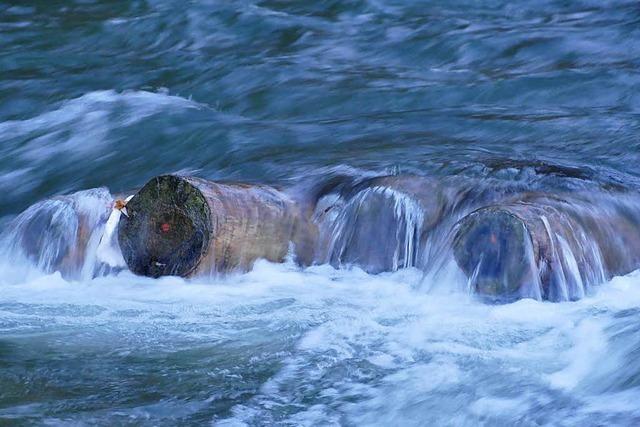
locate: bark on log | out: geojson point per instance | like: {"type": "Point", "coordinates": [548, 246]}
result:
{"type": "Point", "coordinates": [188, 226]}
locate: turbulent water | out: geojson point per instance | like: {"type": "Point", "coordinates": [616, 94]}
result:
{"type": "Point", "coordinates": [537, 95]}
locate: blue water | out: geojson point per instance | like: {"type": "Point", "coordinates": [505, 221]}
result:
{"type": "Point", "coordinates": [111, 93]}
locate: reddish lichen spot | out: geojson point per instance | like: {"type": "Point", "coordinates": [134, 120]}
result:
{"type": "Point", "coordinates": [165, 227]}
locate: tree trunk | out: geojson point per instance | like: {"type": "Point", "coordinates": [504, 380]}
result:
{"type": "Point", "coordinates": [188, 226]}
{"type": "Point", "coordinates": [557, 245]}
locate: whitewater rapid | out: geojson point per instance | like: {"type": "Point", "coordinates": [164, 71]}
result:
{"type": "Point", "coordinates": [315, 346]}
{"type": "Point", "coordinates": [536, 95]}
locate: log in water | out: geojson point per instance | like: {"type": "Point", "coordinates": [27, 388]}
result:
{"type": "Point", "coordinates": [55, 234]}
{"type": "Point", "coordinates": [534, 245]}
{"type": "Point", "coordinates": [186, 226]}
{"type": "Point", "coordinates": [390, 222]}
{"type": "Point", "coordinates": [379, 224]}
{"type": "Point", "coordinates": [549, 247]}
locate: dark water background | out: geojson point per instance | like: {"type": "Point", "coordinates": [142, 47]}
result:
{"type": "Point", "coordinates": [95, 93]}
{"type": "Point", "coordinates": [111, 93]}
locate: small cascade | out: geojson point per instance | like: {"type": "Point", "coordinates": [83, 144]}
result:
{"type": "Point", "coordinates": [500, 244]}
{"type": "Point", "coordinates": [378, 229]}
{"type": "Point", "coordinates": [591, 240]}
{"type": "Point", "coordinates": [558, 290]}
{"type": "Point", "coordinates": [561, 245]}
{"type": "Point", "coordinates": [409, 217]}
{"type": "Point", "coordinates": [575, 288]}
{"type": "Point", "coordinates": [59, 234]}
{"type": "Point", "coordinates": [570, 248]}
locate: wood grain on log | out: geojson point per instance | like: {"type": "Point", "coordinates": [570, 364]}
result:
{"type": "Point", "coordinates": [189, 226]}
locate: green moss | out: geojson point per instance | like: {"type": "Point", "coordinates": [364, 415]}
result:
{"type": "Point", "coordinates": [168, 229]}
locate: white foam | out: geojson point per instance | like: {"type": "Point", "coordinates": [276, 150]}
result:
{"type": "Point", "coordinates": [365, 349]}
{"type": "Point", "coordinates": [80, 127]}
{"type": "Point", "coordinates": [589, 345]}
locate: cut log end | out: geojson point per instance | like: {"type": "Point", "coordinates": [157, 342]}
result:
{"type": "Point", "coordinates": [167, 229]}
{"type": "Point", "coordinates": [493, 248]}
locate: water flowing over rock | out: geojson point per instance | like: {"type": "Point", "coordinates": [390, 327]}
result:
{"type": "Point", "coordinates": [60, 234]}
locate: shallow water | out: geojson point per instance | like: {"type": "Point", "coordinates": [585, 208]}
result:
{"type": "Point", "coordinates": [531, 95]}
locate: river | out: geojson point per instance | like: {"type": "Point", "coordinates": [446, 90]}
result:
{"type": "Point", "coordinates": [541, 95]}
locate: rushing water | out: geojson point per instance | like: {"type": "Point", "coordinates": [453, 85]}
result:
{"type": "Point", "coordinates": [539, 95]}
